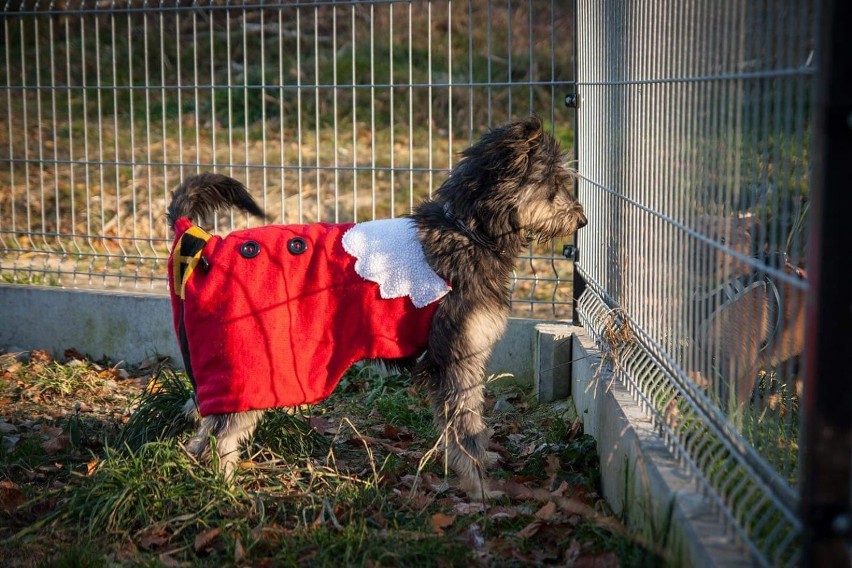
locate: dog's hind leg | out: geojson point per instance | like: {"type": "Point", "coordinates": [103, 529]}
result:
{"type": "Point", "coordinates": [453, 372]}
{"type": "Point", "coordinates": [229, 431]}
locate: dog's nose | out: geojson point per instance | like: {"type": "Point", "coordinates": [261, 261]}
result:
{"type": "Point", "coordinates": [581, 220]}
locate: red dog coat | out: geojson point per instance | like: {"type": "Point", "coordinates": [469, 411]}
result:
{"type": "Point", "coordinates": [273, 316]}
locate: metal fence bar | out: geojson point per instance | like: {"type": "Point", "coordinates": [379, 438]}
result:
{"type": "Point", "coordinates": [827, 421]}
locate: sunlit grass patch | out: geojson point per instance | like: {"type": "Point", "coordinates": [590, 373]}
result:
{"type": "Point", "coordinates": [160, 483]}
{"type": "Point", "coordinates": [52, 379]}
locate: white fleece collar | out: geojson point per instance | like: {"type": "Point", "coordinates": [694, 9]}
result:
{"type": "Point", "coordinates": [388, 253]}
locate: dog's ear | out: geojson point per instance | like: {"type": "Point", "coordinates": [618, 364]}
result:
{"type": "Point", "coordinates": [524, 137]}
{"type": "Point", "coordinates": [533, 129]}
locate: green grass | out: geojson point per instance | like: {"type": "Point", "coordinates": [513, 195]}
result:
{"type": "Point", "coordinates": [332, 485]}
{"type": "Point", "coordinates": [130, 491]}
{"type": "Point", "coordinates": [159, 412]}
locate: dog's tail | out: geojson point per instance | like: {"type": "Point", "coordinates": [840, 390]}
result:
{"type": "Point", "coordinates": [208, 193]}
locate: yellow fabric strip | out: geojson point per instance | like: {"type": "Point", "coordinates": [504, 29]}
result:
{"type": "Point", "coordinates": [184, 265]}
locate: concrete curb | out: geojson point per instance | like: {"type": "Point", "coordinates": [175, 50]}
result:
{"type": "Point", "coordinates": [638, 471]}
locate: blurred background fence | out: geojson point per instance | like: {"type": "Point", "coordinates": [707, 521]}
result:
{"type": "Point", "coordinates": [328, 111]}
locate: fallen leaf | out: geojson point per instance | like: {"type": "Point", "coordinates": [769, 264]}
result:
{"type": "Point", "coordinates": [390, 432]}
{"type": "Point", "coordinates": [125, 550]}
{"type": "Point", "coordinates": [50, 431]}
{"type": "Point", "coordinates": [504, 454]}
{"type": "Point", "coordinates": [72, 354]}
{"type": "Point", "coordinates": [601, 560]}
{"type": "Point", "coordinates": [464, 508]}
{"type": "Point", "coordinates": [40, 356]}
{"type": "Point", "coordinates": [239, 551]}
{"type": "Point", "coordinates": [516, 491]}
{"type": "Point", "coordinates": [552, 466]}
{"type": "Point", "coordinates": [321, 424]}
{"type": "Point", "coordinates": [11, 497]}
{"type": "Point", "coordinates": [154, 537]}
{"type": "Point", "coordinates": [474, 537]}
{"type": "Point", "coordinates": [572, 552]}
{"type": "Point", "coordinates": [440, 521]}
{"type": "Point", "coordinates": [530, 529]}
{"type": "Point", "coordinates": [110, 374]}
{"type": "Point", "coordinates": [205, 539]}
{"type": "Point", "coordinates": [498, 512]}
{"type": "Point", "coordinates": [547, 512]}
{"type": "Point", "coordinates": [417, 500]}
{"type": "Point", "coordinates": [575, 431]}
{"type": "Point", "coordinates": [433, 482]}
{"type": "Point", "coordinates": [92, 466]}
{"type": "Point", "coordinates": [56, 444]}
{"type": "Point", "coordinates": [169, 561]}
{"type": "Point", "coordinates": [528, 449]}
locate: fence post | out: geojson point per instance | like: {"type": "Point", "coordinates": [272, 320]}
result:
{"type": "Point", "coordinates": [572, 100]}
{"type": "Point", "coordinates": [826, 459]}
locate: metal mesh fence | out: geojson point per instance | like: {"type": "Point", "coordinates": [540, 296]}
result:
{"type": "Point", "coordinates": [694, 134]}
{"type": "Point", "coordinates": [328, 111]}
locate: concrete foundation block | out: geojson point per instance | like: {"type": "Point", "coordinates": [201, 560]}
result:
{"type": "Point", "coordinates": [552, 361]}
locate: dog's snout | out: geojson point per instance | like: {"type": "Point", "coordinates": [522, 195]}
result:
{"type": "Point", "coordinates": [581, 220]}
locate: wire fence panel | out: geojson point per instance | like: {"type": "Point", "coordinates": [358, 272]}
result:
{"type": "Point", "coordinates": [694, 133]}
{"type": "Point", "coordinates": [328, 111]}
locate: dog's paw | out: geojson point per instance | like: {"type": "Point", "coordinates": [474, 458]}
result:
{"type": "Point", "coordinates": [228, 465]}
{"type": "Point", "coordinates": [479, 490]}
{"type": "Point", "coordinates": [199, 447]}
{"type": "Point", "coordinates": [190, 411]}
{"type": "Point", "coordinates": [491, 459]}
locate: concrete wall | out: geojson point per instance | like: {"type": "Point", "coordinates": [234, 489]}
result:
{"type": "Point", "coordinates": [128, 327]}
{"type": "Point", "coordinates": [133, 327]}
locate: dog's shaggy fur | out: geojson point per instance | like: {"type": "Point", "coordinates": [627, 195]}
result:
{"type": "Point", "coordinates": [512, 187]}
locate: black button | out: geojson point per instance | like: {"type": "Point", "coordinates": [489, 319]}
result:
{"type": "Point", "coordinates": [250, 249]}
{"type": "Point", "coordinates": [297, 245]}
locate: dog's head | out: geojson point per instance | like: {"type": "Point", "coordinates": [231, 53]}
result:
{"type": "Point", "coordinates": [516, 179]}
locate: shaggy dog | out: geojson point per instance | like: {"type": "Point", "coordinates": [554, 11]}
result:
{"type": "Point", "coordinates": [273, 316]}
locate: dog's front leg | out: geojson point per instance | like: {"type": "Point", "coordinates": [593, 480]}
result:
{"type": "Point", "coordinates": [229, 432]}
{"type": "Point", "coordinates": [453, 371]}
